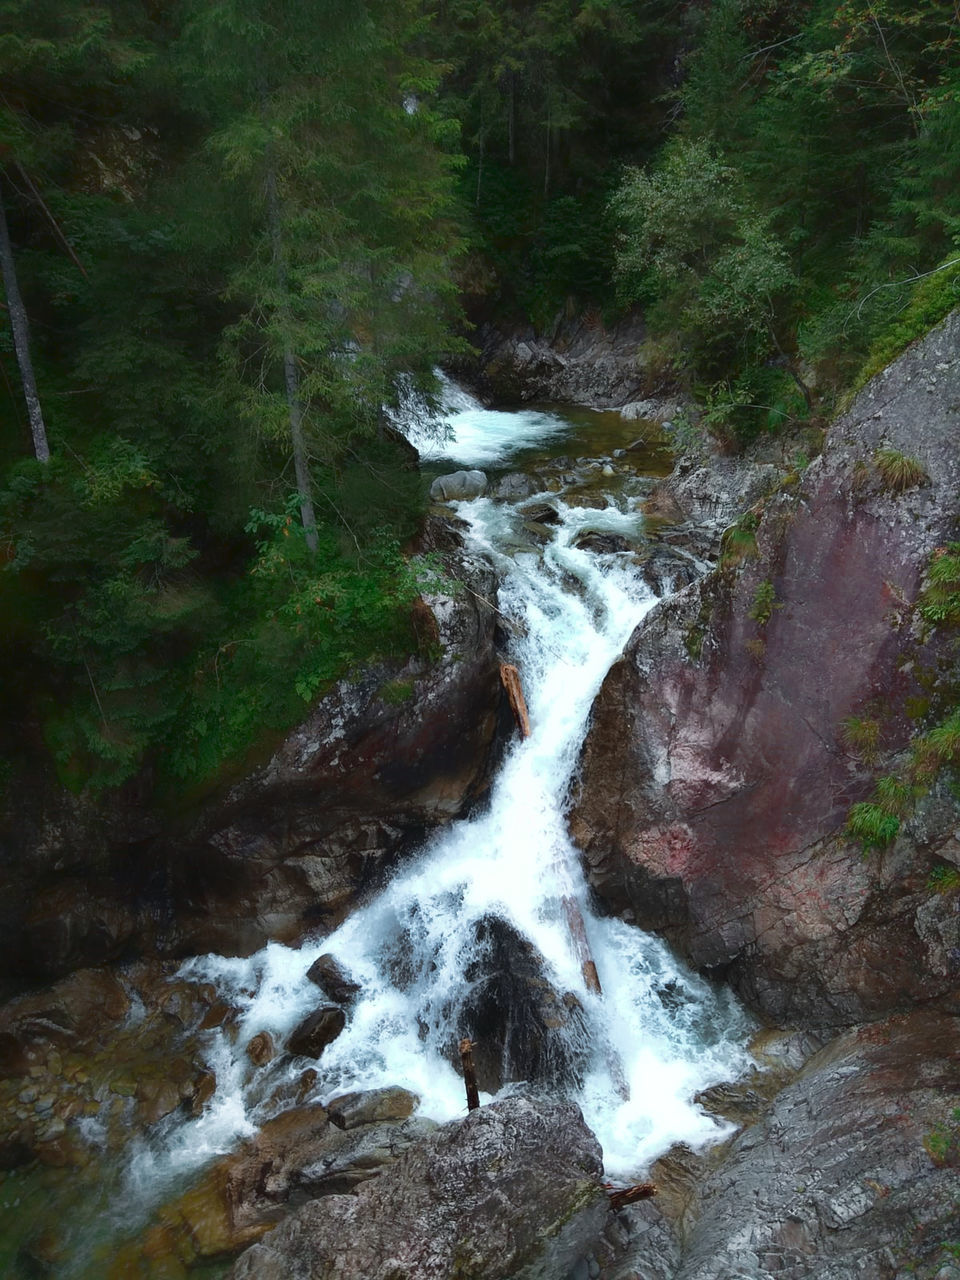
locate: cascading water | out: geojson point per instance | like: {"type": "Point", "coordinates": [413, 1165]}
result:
{"type": "Point", "coordinates": [634, 1056]}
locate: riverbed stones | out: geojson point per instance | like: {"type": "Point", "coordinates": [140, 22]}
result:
{"type": "Point", "coordinates": [261, 1049]}
{"type": "Point", "coordinates": [318, 1029]}
{"type": "Point", "coordinates": [513, 1190]}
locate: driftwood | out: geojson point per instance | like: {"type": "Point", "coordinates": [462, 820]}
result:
{"type": "Point", "coordinates": [469, 1074]}
{"type": "Point", "coordinates": [578, 932]}
{"type": "Point", "coordinates": [510, 679]}
{"type": "Point", "coordinates": [620, 1197]}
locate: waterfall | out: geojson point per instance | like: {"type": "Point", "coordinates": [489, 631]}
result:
{"type": "Point", "coordinates": [422, 950]}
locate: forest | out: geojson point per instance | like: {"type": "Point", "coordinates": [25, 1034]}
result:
{"type": "Point", "coordinates": [238, 238]}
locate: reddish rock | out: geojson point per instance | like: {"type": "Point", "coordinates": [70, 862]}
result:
{"type": "Point", "coordinates": [714, 779]}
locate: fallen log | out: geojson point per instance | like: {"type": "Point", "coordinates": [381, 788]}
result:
{"type": "Point", "coordinates": [510, 679]}
{"type": "Point", "coordinates": [620, 1197]}
{"type": "Point", "coordinates": [469, 1074]}
{"type": "Point", "coordinates": [578, 932]}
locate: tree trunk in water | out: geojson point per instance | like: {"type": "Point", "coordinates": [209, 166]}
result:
{"type": "Point", "coordinates": [21, 339]}
{"type": "Point", "coordinates": [291, 377]}
{"type": "Point", "coordinates": [510, 679]}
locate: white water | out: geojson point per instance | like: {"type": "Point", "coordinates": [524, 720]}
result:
{"type": "Point", "coordinates": [467, 433]}
{"type": "Point", "coordinates": [665, 1031]}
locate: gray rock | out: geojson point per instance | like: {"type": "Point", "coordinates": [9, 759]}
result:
{"type": "Point", "coordinates": [837, 1181]}
{"type": "Point", "coordinates": [513, 1190]}
{"type": "Point", "coordinates": [459, 485]}
{"type": "Point", "coordinates": [373, 1105]}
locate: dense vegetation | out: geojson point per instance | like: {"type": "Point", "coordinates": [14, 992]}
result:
{"type": "Point", "coordinates": [242, 232]}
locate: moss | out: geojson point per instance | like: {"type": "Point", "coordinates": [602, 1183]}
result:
{"type": "Point", "coordinates": [764, 603]}
{"type": "Point", "coordinates": [396, 692]}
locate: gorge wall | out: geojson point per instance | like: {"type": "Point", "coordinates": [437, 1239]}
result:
{"type": "Point", "coordinates": [715, 778]}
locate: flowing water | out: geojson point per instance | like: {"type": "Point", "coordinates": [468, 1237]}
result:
{"type": "Point", "coordinates": [632, 1057]}
{"type": "Point", "coordinates": [657, 1028]}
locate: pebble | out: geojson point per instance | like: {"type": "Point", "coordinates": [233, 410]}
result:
{"type": "Point", "coordinates": [45, 1102]}
{"type": "Point", "coordinates": [27, 1095]}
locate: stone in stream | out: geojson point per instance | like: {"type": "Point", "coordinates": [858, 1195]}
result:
{"type": "Point", "coordinates": [261, 1049]}
{"type": "Point", "coordinates": [372, 1106]}
{"type": "Point", "coordinates": [332, 980]}
{"type": "Point", "coordinates": [523, 1028]}
{"type": "Point", "coordinates": [512, 1190]}
{"type": "Point", "coordinates": [318, 1029]}
{"type": "Point", "coordinates": [458, 485]}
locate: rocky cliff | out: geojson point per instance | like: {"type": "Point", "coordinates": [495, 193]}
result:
{"type": "Point", "coordinates": [716, 776]}
{"type": "Point", "coordinates": [379, 761]}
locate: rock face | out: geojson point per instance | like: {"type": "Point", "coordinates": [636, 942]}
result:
{"type": "Point", "coordinates": [511, 1191]}
{"type": "Point", "coordinates": [377, 763]}
{"type": "Point", "coordinates": [578, 362]}
{"type": "Point", "coordinates": [851, 1173]}
{"type": "Point", "coordinates": [715, 775]}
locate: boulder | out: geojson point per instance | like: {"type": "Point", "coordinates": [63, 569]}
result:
{"type": "Point", "coordinates": [513, 1190]}
{"type": "Point", "coordinates": [851, 1172]}
{"type": "Point", "coordinates": [516, 485]}
{"type": "Point", "coordinates": [523, 1028]}
{"type": "Point", "coordinates": [458, 486]}
{"type": "Point", "coordinates": [372, 1106]}
{"type": "Point", "coordinates": [715, 779]}
{"type": "Point", "coordinates": [327, 974]}
{"type": "Point", "coordinates": [310, 1037]}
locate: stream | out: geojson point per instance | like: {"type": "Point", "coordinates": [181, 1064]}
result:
{"type": "Point", "coordinates": [424, 951]}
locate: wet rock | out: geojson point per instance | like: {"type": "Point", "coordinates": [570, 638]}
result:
{"type": "Point", "coordinates": [667, 569]}
{"type": "Point", "coordinates": [514, 487]}
{"type": "Point", "coordinates": [353, 1156]}
{"type": "Point", "coordinates": [715, 779]}
{"type": "Point", "coordinates": [261, 1049]}
{"type": "Point", "coordinates": [523, 1028]}
{"type": "Point", "coordinates": [372, 1106]}
{"type": "Point", "coordinates": [354, 788]}
{"type": "Point", "coordinates": [542, 513]}
{"type": "Point", "coordinates": [602, 544]}
{"type": "Point", "coordinates": [839, 1178]}
{"type": "Point", "coordinates": [318, 1029]}
{"type": "Point", "coordinates": [458, 486]}
{"type": "Point", "coordinates": [332, 980]}
{"type": "Point", "coordinates": [513, 1190]}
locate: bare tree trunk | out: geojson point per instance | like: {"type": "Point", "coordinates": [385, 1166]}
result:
{"type": "Point", "coordinates": [21, 339]}
{"type": "Point", "coordinates": [291, 377]}
{"type": "Point", "coordinates": [469, 1074]}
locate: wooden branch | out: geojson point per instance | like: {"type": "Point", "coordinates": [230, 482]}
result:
{"type": "Point", "coordinates": [469, 1074]}
{"type": "Point", "coordinates": [620, 1197]}
{"type": "Point", "coordinates": [510, 679]}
